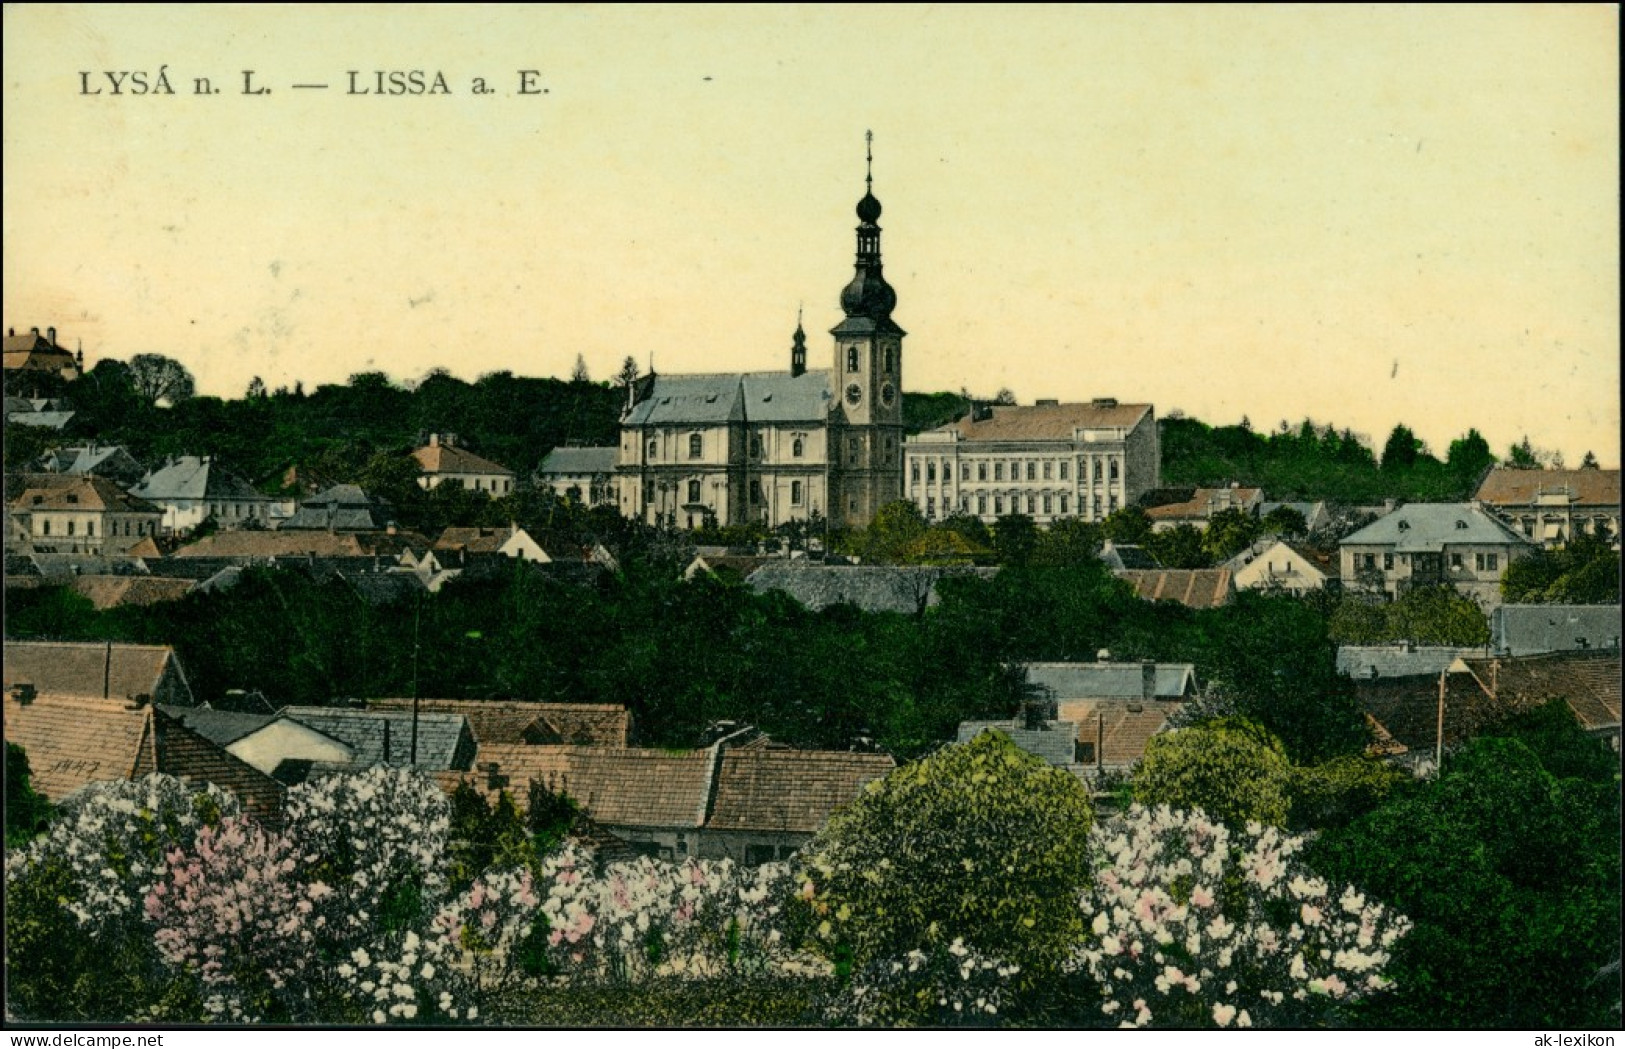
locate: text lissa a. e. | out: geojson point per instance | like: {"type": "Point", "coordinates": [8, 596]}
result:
{"type": "Point", "coordinates": [383, 83]}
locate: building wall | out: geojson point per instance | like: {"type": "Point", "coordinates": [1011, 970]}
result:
{"type": "Point", "coordinates": [490, 484]}
{"type": "Point", "coordinates": [86, 531]}
{"type": "Point", "coordinates": [750, 847]}
{"type": "Point", "coordinates": [1473, 568]}
{"type": "Point", "coordinates": [743, 473]}
{"type": "Point", "coordinates": [1281, 567]}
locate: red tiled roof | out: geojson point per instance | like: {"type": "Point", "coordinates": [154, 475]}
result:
{"type": "Point", "coordinates": [450, 459]}
{"type": "Point", "coordinates": [88, 668]}
{"type": "Point", "coordinates": [1204, 503]}
{"type": "Point", "coordinates": [1510, 488]}
{"type": "Point", "coordinates": [474, 540]}
{"type": "Point", "coordinates": [1589, 681]}
{"type": "Point", "coordinates": [302, 542]}
{"type": "Point", "coordinates": [1194, 588]}
{"type": "Point", "coordinates": [1046, 422]}
{"type": "Point", "coordinates": [1126, 729]}
{"type": "Point", "coordinates": [113, 591]}
{"type": "Point", "coordinates": [629, 787]}
{"type": "Point", "coordinates": [789, 790]}
{"type": "Point", "coordinates": [78, 492]}
{"type": "Point", "coordinates": [75, 740]}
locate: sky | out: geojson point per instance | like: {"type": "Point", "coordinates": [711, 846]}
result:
{"type": "Point", "coordinates": [1360, 215]}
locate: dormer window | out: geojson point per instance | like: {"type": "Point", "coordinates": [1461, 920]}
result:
{"type": "Point", "coordinates": [73, 498]}
{"type": "Point", "coordinates": [1404, 526]}
{"type": "Point", "coordinates": [1461, 526]}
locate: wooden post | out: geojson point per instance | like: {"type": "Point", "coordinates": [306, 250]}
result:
{"type": "Point", "coordinates": [1438, 744]}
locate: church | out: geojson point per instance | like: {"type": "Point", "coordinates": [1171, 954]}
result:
{"type": "Point", "coordinates": [773, 447]}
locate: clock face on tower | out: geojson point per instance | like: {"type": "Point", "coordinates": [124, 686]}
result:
{"type": "Point", "coordinates": [887, 395]}
{"type": "Point", "coordinates": [854, 394]}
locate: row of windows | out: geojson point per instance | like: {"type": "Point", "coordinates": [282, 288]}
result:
{"type": "Point", "coordinates": [1050, 469]}
{"type": "Point", "coordinates": [1031, 505]}
{"type": "Point", "coordinates": [140, 528]}
{"type": "Point", "coordinates": [1481, 562]}
{"type": "Point", "coordinates": [889, 359]}
{"type": "Point", "coordinates": [798, 450]}
{"type": "Point", "coordinates": [694, 493]}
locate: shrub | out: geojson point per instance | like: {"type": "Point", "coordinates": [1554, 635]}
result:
{"type": "Point", "coordinates": [1194, 924]}
{"type": "Point", "coordinates": [26, 811]}
{"type": "Point", "coordinates": [979, 843]}
{"type": "Point", "coordinates": [1230, 768]}
{"type": "Point", "coordinates": [1336, 792]}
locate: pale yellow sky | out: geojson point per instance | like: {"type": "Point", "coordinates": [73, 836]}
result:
{"type": "Point", "coordinates": [1361, 215]}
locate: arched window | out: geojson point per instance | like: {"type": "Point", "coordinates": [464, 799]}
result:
{"type": "Point", "coordinates": [796, 448]}
{"type": "Point", "coordinates": [851, 358]}
{"type": "Point", "coordinates": [696, 446]}
{"type": "Point", "coordinates": [891, 359]}
{"type": "Point", "coordinates": [693, 491]}
{"type": "Point", "coordinates": [652, 446]}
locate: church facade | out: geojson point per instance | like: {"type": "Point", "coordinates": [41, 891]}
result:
{"type": "Point", "coordinates": [807, 444]}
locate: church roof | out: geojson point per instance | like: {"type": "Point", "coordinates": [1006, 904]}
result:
{"type": "Point", "coordinates": [683, 400]}
{"type": "Point", "coordinates": [781, 397]}
{"type": "Point", "coordinates": [579, 461]}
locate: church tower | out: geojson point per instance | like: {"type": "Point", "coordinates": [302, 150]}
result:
{"type": "Point", "coordinates": [866, 431]}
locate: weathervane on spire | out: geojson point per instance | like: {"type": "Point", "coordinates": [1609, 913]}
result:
{"type": "Point", "coordinates": [868, 160]}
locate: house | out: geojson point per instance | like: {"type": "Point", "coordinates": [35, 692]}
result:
{"type": "Point", "coordinates": [1432, 544]}
{"type": "Point", "coordinates": [291, 545]}
{"type": "Point", "coordinates": [443, 461]}
{"type": "Point", "coordinates": [104, 669]}
{"type": "Point", "coordinates": [734, 566]}
{"type": "Point", "coordinates": [1114, 708]}
{"type": "Point", "coordinates": [112, 461]}
{"type": "Point", "coordinates": [80, 515]}
{"type": "Point", "coordinates": [39, 355]}
{"type": "Point", "coordinates": [775, 447]}
{"type": "Point", "coordinates": [1528, 630]}
{"type": "Point", "coordinates": [1161, 682]}
{"type": "Point", "coordinates": [1168, 508]}
{"type": "Point", "coordinates": [1192, 587]}
{"type": "Point", "coordinates": [904, 589]}
{"type": "Point", "coordinates": [428, 741]}
{"type": "Point", "coordinates": [1120, 556]}
{"type": "Point", "coordinates": [341, 508]}
{"type": "Point", "coordinates": [1281, 564]}
{"type": "Point", "coordinates": [1550, 507]}
{"type": "Point", "coordinates": [118, 591]}
{"type": "Point", "coordinates": [1381, 662]}
{"type": "Point", "coordinates": [271, 743]}
{"type": "Point", "coordinates": [582, 475]}
{"type": "Point", "coordinates": [193, 489]}
{"type": "Point", "coordinates": [72, 741]}
{"type": "Point", "coordinates": [1048, 461]}
{"type": "Point", "coordinates": [1053, 740]}
{"type": "Point", "coordinates": [41, 413]}
{"type": "Point", "coordinates": [752, 802]}
{"type": "Point", "coordinates": [511, 541]}
{"type": "Point", "coordinates": [516, 722]}
{"type": "Point", "coordinates": [1416, 716]}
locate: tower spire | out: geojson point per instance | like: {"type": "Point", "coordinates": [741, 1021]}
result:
{"type": "Point", "coordinates": [868, 161]}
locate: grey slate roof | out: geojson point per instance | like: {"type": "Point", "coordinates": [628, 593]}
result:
{"type": "Point", "coordinates": [193, 477]}
{"type": "Point", "coordinates": [1112, 680]}
{"type": "Point", "coordinates": [89, 459]}
{"type": "Point", "coordinates": [1374, 662]}
{"type": "Point", "coordinates": [444, 740]}
{"type": "Point", "coordinates": [1055, 742]}
{"type": "Point", "coordinates": [44, 420]}
{"type": "Point", "coordinates": [1424, 527]}
{"type": "Point", "coordinates": [579, 461]}
{"type": "Point", "coordinates": [1126, 555]}
{"type": "Point", "coordinates": [1527, 630]}
{"type": "Point", "coordinates": [220, 727]}
{"type": "Point", "coordinates": [734, 398]}
{"type": "Point", "coordinates": [903, 589]}
{"type": "Point", "coordinates": [341, 508]}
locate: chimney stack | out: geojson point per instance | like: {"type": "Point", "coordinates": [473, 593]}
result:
{"type": "Point", "coordinates": [23, 692]}
{"type": "Point", "coordinates": [50, 336]}
{"type": "Point", "coordinates": [1148, 680]}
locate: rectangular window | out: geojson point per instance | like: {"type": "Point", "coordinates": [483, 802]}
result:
{"type": "Point", "coordinates": [1371, 561]}
{"type": "Point", "coordinates": [964, 471]}
{"type": "Point", "coordinates": [1485, 562]}
{"type": "Point", "coordinates": [914, 471]}
{"type": "Point", "coordinates": [1048, 467]}
{"type": "Point", "coordinates": [1032, 471]}
{"type": "Point", "coordinates": [90, 528]}
{"type": "Point", "coordinates": [1387, 562]}
{"type": "Point", "coordinates": [693, 491]}
{"type": "Point", "coordinates": [1113, 469]}
{"type": "Point", "coordinates": [851, 358]}
{"type": "Point", "coordinates": [755, 446]}
{"type": "Point", "coordinates": [795, 493]}
{"type": "Point", "coordinates": [696, 446]}
{"type": "Point", "coordinates": [998, 505]}
{"type": "Point", "coordinates": [1049, 505]}
{"type": "Point", "coordinates": [1097, 506]}
{"type": "Point", "coordinates": [930, 507]}
{"type": "Point", "coordinates": [1032, 502]}
{"type": "Point", "coordinates": [648, 491]}
{"type": "Point", "coordinates": [981, 471]}
{"type": "Point", "coordinates": [998, 471]}
{"type": "Point", "coordinates": [1063, 504]}
{"type": "Point", "coordinates": [70, 527]}
{"type": "Point", "coordinates": [1111, 503]}
{"type": "Point", "coordinates": [930, 473]}
{"type": "Point", "coordinates": [981, 506]}
{"type": "Point", "coordinates": [1097, 469]}
{"type": "Point", "coordinates": [1063, 470]}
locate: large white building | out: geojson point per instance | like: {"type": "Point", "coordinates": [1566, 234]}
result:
{"type": "Point", "coordinates": [1047, 461]}
{"type": "Point", "coordinates": [776, 447]}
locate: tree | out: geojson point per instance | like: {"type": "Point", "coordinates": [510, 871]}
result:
{"type": "Point", "coordinates": [26, 810]}
{"type": "Point", "coordinates": [1179, 547]}
{"type": "Point", "coordinates": [1068, 541]}
{"type": "Point", "coordinates": [628, 373]}
{"type": "Point", "coordinates": [1128, 526]}
{"type": "Point", "coordinates": [1523, 456]}
{"type": "Point", "coordinates": [256, 389]}
{"type": "Point", "coordinates": [1229, 532]}
{"type": "Point", "coordinates": [1589, 462]}
{"type": "Point", "coordinates": [579, 372]}
{"type": "Point", "coordinates": [1285, 520]}
{"type": "Point", "coordinates": [1438, 615]}
{"type": "Point", "coordinates": [158, 379]}
{"type": "Point", "coordinates": [1004, 396]}
{"type": "Point", "coordinates": [1401, 451]}
{"type": "Point", "coordinates": [980, 841]}
{"type": "Point", "coordinates": [1469, 457]}
{"type": "Point", "coordinates": [1015, 538]}
{"type": "Point", "coordinates": [1231, 769]}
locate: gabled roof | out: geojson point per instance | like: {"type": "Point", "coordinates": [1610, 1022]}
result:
{"type": "Point", "coordinates": [1045, 422]}
{"type": "Point", "coordinates": [474, 540]}
{"type": "Point", "coordinates": [256, 545]}
{"type": "Point", "coordinates": [1119, 728]}
{"type": "Point", "coordinates": [1193, 588]}
{"type": "Point", "coordinates": [75, 740]}
{"type": "Point", "coordinates": [1113, 680]}
{"type": "Point", "coordinates": [580, 461]}
{"type": "Point", "coordinates": [1526, 630]}
{"type": "Point", "coordinates": [1326, 562]}
{"type": "Point", "coordinates": [1509, 489]}
{"type": "Point", "coordinates": [1425, 527]}
{"type": "Point", "coordinates": [1375, 662]}
{"type": "Point", "coordinates": [779, 397]}
{"type": "Point", "coordinates": [503, 721]}
{"type": "Point", "coordinates": [711, 564]}
{"type": "Point", "coordinates": [680, 399]}
{"type": "Point", "coordinates": [193, 477]}
{"type": "Point", "coordinates": [384, 737]}
{"type": "Point", "coordinates": [220, 727]}
{"type": "Point", "coordinates": [43, 420]}
{"type": "Point", "coordinates": [116, 591]}
{"type": "Point", "coordinates": [96, 494]}
{"type": "Point", "coordinates": [1589, 681]}
{"type": "Point", "coordinates": [451, 459]}
{"type": "Point", "coordinates": [792, 791]}
{"type": "Point", "coordinates": [630, 787]}
{"type": "Point", "coordinates": [1126, 555]}
{"type": "Point", "coordinates": [905, 589]}
{"type": "Point", "coordinates": [90, 459]}
{"type": "Point", "coordinates": [88, 668]}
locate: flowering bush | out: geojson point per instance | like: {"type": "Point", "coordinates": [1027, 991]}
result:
{"type": "Point", "coordinates": [378, 840]}
{"type": "Point", "coordinates": [951, 986]}
{"type": "Point", "coordinates": [406, 979]}
{"type": "Point", "coordinates": [1193, 925]}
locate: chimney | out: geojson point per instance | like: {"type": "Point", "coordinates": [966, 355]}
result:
{"type": "Point", "coordinates": [494, 779]}
{"type": "Point", "coordinates": [139, 701]}
{"type": "Point", "coordinates": [386, 743]}
{"type": "Point", "coordinates": [434, 440]}
{"type": "Point", "coordinates": [33, 331]}
{"type": "Point", "coordinates": [1148, 680]}
{"type": "Point", "coordinates": [1103, 656]}
{"type": "Point", "coordinates": [23, 692]}
{"type": "Point", "coordinates": [50, 336]}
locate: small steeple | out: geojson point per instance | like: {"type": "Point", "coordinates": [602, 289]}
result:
{"type": "Point", "coordinates": [798, 349]}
